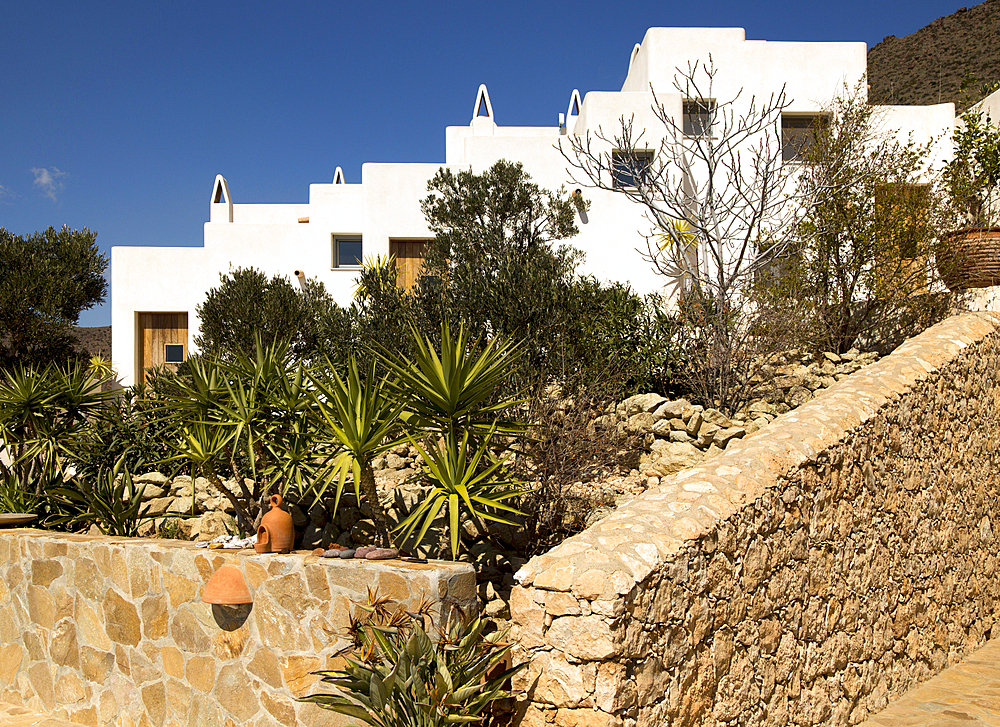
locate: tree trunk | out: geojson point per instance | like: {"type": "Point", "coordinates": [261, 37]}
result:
{"type": "Point", "coordinates": [371, 495]}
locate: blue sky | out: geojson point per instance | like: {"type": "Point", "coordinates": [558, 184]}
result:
{"type": "Point", "coordinates": [118, 115]}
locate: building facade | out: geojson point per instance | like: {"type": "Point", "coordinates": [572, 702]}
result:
{"type": "Point", "coordinates": [156, 290]}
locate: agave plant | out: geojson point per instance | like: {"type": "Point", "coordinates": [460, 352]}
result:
{"type": "Point", "coordinates": [398, 676]}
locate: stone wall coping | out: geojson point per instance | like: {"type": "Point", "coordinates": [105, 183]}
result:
{"type": "Point", "coordinates": [275, 563]}
{"type": "Point", "coordinates": [608, 559]}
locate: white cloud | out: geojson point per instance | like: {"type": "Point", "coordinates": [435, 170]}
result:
{"type": "Point", "coordinates": [6, 194]}
{"type": "Point", "coordinates": [48, 180]}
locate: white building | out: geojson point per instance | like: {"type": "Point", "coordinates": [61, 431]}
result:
{"type": "Point", "coordinates": [155, 290]}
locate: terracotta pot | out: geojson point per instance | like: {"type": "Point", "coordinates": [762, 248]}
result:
{"type": "Point", "coordinates": [227, 587]}
{"type": "Point", "coordinates": [263, 544]}
{"type": "Point", "coordinates": [970, 258]}
{"type": "Point", "coordinates": [281, 532]}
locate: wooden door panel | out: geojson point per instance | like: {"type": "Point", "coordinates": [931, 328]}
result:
{"type": "Point", "coordinates": [409, 254]}
{"type": "Point", "coordinates": [156, 330]}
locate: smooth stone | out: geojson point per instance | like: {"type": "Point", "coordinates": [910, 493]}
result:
{"type": "Point", "coordinates": [332, 553]}
{"type": "Point", "coordinates": [349, 553]}
{"type": "Point", "coordinates": [382, 554]}
{"type": "Point", "coordinates": [319, 551]}
{"type": "Point", "coordinates": [364, 550]}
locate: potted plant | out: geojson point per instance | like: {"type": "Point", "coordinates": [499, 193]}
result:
{"type": "Point", "coordinates": [969, 256]}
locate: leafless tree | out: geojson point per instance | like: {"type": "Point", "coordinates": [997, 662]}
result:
{"type": "Point", "coordinates": [723, 206]}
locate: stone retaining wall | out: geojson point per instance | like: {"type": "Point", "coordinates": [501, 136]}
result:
{"type": "Point", "coordinates": [113, 631]}
{"type": "Point", "coordinates": [808, 574]}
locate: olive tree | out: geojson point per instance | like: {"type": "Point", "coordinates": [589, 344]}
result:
{"type": "Point", "coordinates": [46, 280]}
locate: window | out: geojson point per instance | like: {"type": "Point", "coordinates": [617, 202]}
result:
{"type": "Point", "coordinates": [347, 251]}
{"type": "Point", "coordinates": [797, 134]}
{"type": "Point", "coordinates": [173, 353]}
{"type": "Point", "coordinates": [630, 167]}
{"type": "Point", "coordinates": [698, 115]}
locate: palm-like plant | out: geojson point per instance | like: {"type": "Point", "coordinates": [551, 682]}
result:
{"type": "Point", "coordinates": [252, 415]}
{"type": "Point", "coordinates": [464, 477]}
{"type": "Point", "coordinates": [362, 417]}
{"type": "Point", "coordinates": [42, 409]}
{"type": "Point", "coordinates": [456, 391]}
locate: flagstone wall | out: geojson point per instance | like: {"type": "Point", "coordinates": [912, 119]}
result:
{"type": "Point", "coordinates": [113, 631]}
{"type": "Point", "coordinates": [806, 575]}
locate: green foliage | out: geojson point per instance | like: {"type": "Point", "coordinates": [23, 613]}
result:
{"type": "Point", "coordinates": [43, 409]}
{"type": "Point", "coordinates": [46, 280]}
{"type": "Point", "coordinates": [465, 478]}
{"type": "Point", "coordinates": [972, 177]}
{"type": "Point", "coordinates": [247, 305]}
{"type": "Point", "coordinates": [363, 419]}
{"type": "Point", "coordinates": [125, 427]}
{"type": "Point", "coordinates": [398, 677]}
{"type": "Point", "coordinates": [492, 264]}
{"type": "Point", "coordinates": [111, 501]}
{"type": "Point", "coordinates": [860, 267]}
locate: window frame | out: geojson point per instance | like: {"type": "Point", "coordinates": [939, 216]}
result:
{"type": "Point", "coordinates": [804, 131]}
{"type": "Point", "coordinates": [618, 178]}
{"type": "Point", "coordinates": [166, 354]}
{"type": "Point", "coordinates": [710, 107]}
{"type": "Point", "coordinates": [335, 240]}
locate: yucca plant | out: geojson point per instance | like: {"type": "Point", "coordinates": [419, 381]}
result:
{"type": "Point", "coordinates": [456, 391]}
{"type": "Point", "coordinates": [42, 410]}
{"type": "Point", "coordinates": [361, 416]}
{"type": "Point", "coordinates": [251, 415]}
{"type": "Point", "coordinates": [397, 676]}
{"type": "Point", "coordinates": [465, 478]}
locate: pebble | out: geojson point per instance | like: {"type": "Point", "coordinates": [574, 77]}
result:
{"type": "Point", "coordinates": [381, 554]}
{"type": "Point", "coordinates": [349, 553]}
{"type": "Point", "coordinates": [318, 551]}
{"type": "Point", "coordinates": [364, 551]}
{"type": "Point", "coordinates": [331, 553]}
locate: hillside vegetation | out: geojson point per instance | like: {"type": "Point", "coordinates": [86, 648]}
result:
{"type": "Point", "coordinates": [928, 66]}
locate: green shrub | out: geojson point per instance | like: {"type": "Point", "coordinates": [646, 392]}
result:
{"type": "Point", "coordinates": [397, 676]}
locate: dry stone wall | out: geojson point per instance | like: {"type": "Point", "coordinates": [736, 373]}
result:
{"type": "Point", "coordinates": [113, 631]}
{"type": "Point", "coordinates": [806, 575]}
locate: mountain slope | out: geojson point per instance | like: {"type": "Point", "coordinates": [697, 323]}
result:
{"type": "Point", "coordinates": [927, 67]}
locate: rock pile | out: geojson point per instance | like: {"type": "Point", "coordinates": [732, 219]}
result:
{"type": "Point", "coordinates": [677, 434]}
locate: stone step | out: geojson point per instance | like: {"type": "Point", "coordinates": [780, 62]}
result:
{"type": "Point", "coordinates": [966, 694]}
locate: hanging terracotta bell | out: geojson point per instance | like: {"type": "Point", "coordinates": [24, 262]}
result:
{"type": "Point", "coordinates": [227, 587]}
{"type": "Point", "coordinates": [278, 524]}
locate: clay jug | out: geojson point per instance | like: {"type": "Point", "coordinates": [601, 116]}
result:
{"type": "Point", "coordinates": [263, 544]}
{"type": "Point", "coordinates": [279, 527]}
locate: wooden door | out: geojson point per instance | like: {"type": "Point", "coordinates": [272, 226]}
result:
{"type": "Point", "coordinates": [409, 254]}
{"type": "Point", "coordinates": [162, 340]}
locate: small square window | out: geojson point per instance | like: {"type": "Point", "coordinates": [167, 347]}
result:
{"type": "Point", "coordinates": [628, 168]}
{"type": "Point", "coordinates": [173, 353]}
{"type": "Point", "coordinates": [347, 251]}
{"type": "Point", "coordinates": [698, 116]}
{"type": "Point", "coordinates": [797, 134]}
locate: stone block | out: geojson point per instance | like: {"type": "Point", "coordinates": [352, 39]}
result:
{"type": "Point", "coordinates": [234, 693]}
{"type": "Point", "coordinates": [586, 638]}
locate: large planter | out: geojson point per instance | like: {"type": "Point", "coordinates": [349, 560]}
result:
{"type": "Point", "coordinates": [970, 258]}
